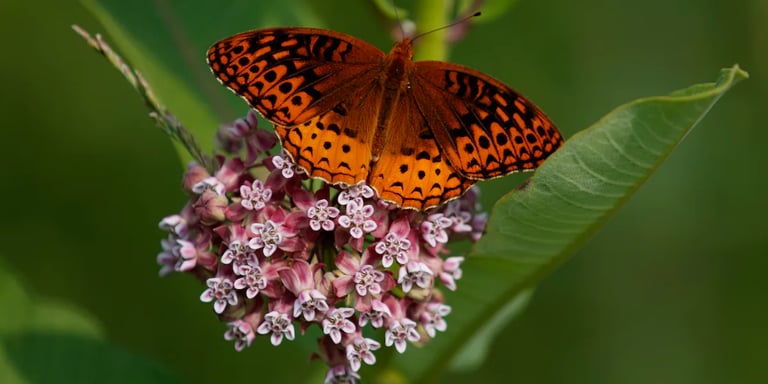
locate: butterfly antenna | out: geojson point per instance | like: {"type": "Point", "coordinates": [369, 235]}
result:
{"type": "Point", "coordinates": [459, 21]}
{"type": "Point", "coordinates": [399, 22]}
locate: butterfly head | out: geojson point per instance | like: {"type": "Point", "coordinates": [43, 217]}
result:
{"type": "Point", "coordinates": [402, 49]}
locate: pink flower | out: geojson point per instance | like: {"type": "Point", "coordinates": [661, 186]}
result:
{"type": "Point", "coordinates": [460, 218]}
{"type": "Point", "coordinates": [286, 249]}
{"type": "Point", "coordinates": [175, 224]}
{"type": "Point", "coordinates": [451, 272]}
{"type": "Point", "coordinates": [182, 255]}
{"type": "Point", "coordinates": [399, 332]}
{"type": "Point", "coordinates": [211, 207]}
{"type": "Point", "coordinates": [195, 173]}
{"type": "Point", "coordinates": [478, 225]}
{"type": "Point", "coordinates": [360, 275]}
{"type": "Point", "coordinates": [262, 279]}
{"type": "Point", "coordinates": [396, 245]}
{"type": "Point", "coordinates": [209, 184]}
{"type": "Point", "coordinates": [341, 374]}
{"type": "Point", "coordinates": [357, 218]}
{"type": "Point", "coordinates": [377, 314]}
{"type": "Point", "coordinates": [301, 281]}
{"type": "Point", "coordinates": [230, 173]}
{"type": "Point", "coordinates": [221, 291]}
{"type": "Point", "coordinates": [415, 273]}
{"type": "Point", "coordinates": [255, 196]}
{"type": "Point", "coordinates": [178, 255]}
{"type": "Point", "coordinates": [285, 164]}
{"type": "Point", "coordinates": [238, 253]}
{"type": "Point", "coordinates": [277, 232]}
{"type": "Point", "coordinates": [241, 332]}
{"type": "Point", "coordinates": [278, 322]}
{"type": "Point", "coordinates": [361, 349]}
{"type": "Point", "coordinates": [337, 321]}
{"type": "Point", "coordinates": [278, 325]}
{"type": "Point", "coordinates": [433, 229]}
{"type": "Point", "coordinates": [267, 237]}
{"type": "Point", "coordinates": [354, 192]}
{"type": "Point", "coordinates": [321, 216]}
{"type": "Point", "coordinates": [432, 319]}
{"type": "Point", "coordinates": [252, 279]}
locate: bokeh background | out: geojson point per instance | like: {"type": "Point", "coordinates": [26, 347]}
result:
{"type": "Point", "coordinates": [671, 290]}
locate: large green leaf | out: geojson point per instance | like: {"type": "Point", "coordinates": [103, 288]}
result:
{"type": "Point", "coordinates": [45, 341]}
{"type": "Point", "coordinates": [533, 229]}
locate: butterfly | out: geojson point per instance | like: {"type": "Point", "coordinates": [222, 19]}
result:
{"type": "Point", "coordinates": [419, 133]}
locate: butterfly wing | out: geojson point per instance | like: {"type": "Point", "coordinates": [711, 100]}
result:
{"type": "Point", "coordinates": [317, 86]}
{"type": "Point", "coordinates": [411, 170]}
{"type": "Point", "coordinates": [484, 128]}
{"type": "Point", "coordinates": [336, 145]}
{"type": "Point", "coordinates": [291, 75]}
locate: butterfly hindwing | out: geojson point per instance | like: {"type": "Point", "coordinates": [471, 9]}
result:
{"type": "Point", "coordinates": [411, 170]}
{"type": "Point", "coordinates": [336, 145]}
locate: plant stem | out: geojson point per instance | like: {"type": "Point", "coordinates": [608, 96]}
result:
{"type": "Point", "coordinates": [428, 15]}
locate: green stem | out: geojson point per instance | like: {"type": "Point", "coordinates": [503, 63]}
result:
{"type": "Point", "coordinates": [428, 15]}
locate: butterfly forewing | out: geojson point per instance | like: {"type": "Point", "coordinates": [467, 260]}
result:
{"type": "Point", "coordinates": [484, 128]}
{"type": "Point", "coordinates": [291, 75]}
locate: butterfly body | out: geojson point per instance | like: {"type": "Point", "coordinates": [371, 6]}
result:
{"type": "Point", "coordinates": [419, 133]}
{"type": "Point", "coordinates": [395, 81]}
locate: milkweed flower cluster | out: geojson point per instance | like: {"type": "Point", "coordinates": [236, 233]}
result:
{"type": "Point", "coordinates": [281, 253]}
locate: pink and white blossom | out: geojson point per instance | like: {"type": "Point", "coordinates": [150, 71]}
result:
{"type": "Point", "coordinates": [377, 315]}
{"type": "Point", "coordinates": [396, 245]}
{"type": "Point", "coordinates": [337, 321]}
{"type": "Point", "coordinates": [252, 279]}
{"type": "Point", "coordinates": [341, 374]}
{"type": "Point", "coordinates": [357, 218]}
{"type": "Point", "coordinates": [432, 318]}
{"type": "Point", "coordinates": [433, 229]}
{"type": "Point", "coordinates": [321, 216]}
{"type": "Point", "coordinates": [255, 196]}
{"type": "Point", "coordinates": [241, 332]}
{"type": "Point", "coordinates": [400, 332]}
{"type": "Point", "coordinates": [278, 326]}
{"type": "Point", "coordinates": [221, 292]}
{"type": "Point", "coordinates": [282, 251]}
{"type": "Point", "coordinates": [361, 350]}
{"type": "Point", "coordinates": [415, 273]}
{"type": "Point", "coordinates": [285, 164]}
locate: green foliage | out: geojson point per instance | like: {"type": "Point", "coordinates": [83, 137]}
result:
{"type": "Point", "coordinates": [44, 341]}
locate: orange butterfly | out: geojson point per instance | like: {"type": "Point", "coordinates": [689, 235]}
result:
{"type": "Point", "coordinates": [419, 133]}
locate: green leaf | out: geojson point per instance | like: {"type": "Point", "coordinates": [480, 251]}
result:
{"type": "Point", "coordinates": [533, 229]}
{"type": "Point", "coordinates": [44, 341]}
{"type": "Point", "coordinates": [474, 352]}
{"type": "Point", "coordinates": [43, 357]}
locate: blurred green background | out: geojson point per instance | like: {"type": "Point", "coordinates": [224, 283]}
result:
{"type": "Point", "coordinates": [671, 290]}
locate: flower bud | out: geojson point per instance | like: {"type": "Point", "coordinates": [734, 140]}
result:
{"type": "Point", "coordinates": [211, 207]}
